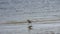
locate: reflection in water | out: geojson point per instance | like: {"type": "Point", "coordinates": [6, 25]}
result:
{"type": "Point", "coordinates": [36, 29]}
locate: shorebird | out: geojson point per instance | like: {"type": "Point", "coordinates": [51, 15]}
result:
{"type": "Point", "coordinates": [29, 21]}
{"type": "Point", "coordinates": [30, 25]}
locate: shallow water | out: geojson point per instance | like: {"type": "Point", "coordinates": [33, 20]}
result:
{"type": "Point", "coordinates": [20, 10]}
{"type": "Point", "coordinates": [23, 29]}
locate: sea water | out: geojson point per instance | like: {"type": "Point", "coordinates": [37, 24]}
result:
{"type": "Point", "coordinates": [17, 10]}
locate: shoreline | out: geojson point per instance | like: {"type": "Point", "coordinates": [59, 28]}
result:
{"type": "Point", "coordinates": [40, 20]}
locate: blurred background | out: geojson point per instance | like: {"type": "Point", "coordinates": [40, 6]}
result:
{"type": "Point", "coordinates": [18, 10]}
